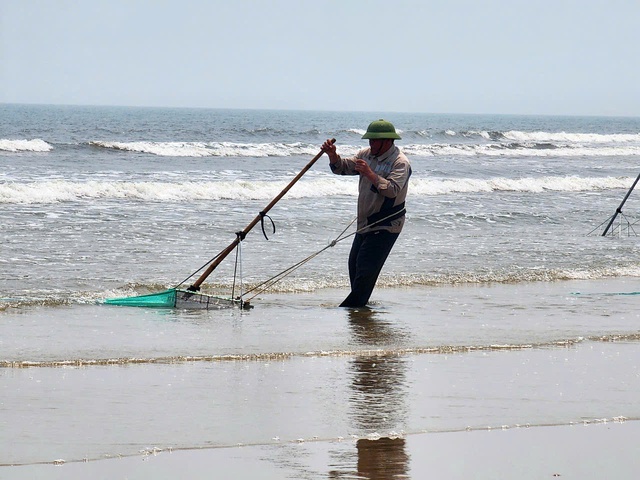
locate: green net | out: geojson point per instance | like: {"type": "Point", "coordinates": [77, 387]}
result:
{"type": "Point", "coordinates": [166, 299]}
{"type": "Point", "coordinates": [177, 298]}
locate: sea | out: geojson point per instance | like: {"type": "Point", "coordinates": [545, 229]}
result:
{"type": "Point", "coordinates": [500, 291]}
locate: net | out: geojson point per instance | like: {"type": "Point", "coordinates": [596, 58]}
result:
{"type": "Point", "coordinates": [177, 298]}
{"type": "Point", "coordinates": [166, 299]}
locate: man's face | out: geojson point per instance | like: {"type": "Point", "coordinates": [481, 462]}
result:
{"type": "Point", "coordinates": [379, 145]}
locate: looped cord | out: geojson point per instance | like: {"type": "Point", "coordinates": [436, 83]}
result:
{"type": "Point", "coordinates": [273, 225]}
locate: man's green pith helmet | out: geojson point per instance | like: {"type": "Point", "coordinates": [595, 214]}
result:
{"type": "Point", "coordinates": [381, 129]}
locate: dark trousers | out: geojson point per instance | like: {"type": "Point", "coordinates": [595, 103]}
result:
{"type": "Point", "coordinates": [368, 253]}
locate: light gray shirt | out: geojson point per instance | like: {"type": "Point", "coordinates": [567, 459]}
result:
{"type": "Point", "coordinates": [386, 197]}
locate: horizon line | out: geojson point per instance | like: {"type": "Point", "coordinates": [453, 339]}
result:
{"type": "Point", "coordinates": [376, 112]}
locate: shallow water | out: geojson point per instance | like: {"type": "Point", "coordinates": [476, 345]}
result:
{"type": "Point", "coordinates": [496, 308]}
{"type": "Point", "coordinates": [402, 320]}
{"type": "Point", "coordinates": [78, 413]}
{"type": "Point", "coordinates": [100, 202]}
{"type": "Point", "coordinates": [85, 382]}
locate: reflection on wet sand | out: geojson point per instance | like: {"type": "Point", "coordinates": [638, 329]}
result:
{"type": "Point", "coordinates": [369, 328]}
{"type": "Point", "coordinates": [384, 458]}
{"type": "Point", "coordinates": [377, 402]}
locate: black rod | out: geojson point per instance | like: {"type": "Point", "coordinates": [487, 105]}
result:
{"type": "Point", "coordinates": [619, 209]}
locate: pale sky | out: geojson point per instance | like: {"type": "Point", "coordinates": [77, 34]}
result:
{"type": "Point", "coordinates": [564, 57]}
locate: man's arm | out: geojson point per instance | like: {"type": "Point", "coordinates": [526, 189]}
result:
{"type": "Point", "coordinates": [396, 180]}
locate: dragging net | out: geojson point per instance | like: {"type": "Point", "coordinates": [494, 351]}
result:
{"type": "Point", "coordinates": [177, 298]}
{"type": "Point", "coordinates": [166, 299]}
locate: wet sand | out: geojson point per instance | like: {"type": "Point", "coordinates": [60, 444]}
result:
{"type": "Point", "coordinates": [507, 381]}
{"type": "Point", "coordinates": [528, 413]}
{"type": "Point", "coordinates": [595, 451]}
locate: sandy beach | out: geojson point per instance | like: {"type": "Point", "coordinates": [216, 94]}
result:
{"type": "Point", "coordinates": [569, 452]}
{"type": "Point", "coordinates": [380, 397]}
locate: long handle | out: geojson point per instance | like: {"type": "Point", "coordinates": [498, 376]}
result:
{"type": "Point", "coordinates": [240, 236]}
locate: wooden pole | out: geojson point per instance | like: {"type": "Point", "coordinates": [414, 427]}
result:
{"type": "Point", "coordinates": [240, 235]}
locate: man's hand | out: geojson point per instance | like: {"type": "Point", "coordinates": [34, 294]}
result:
{"type": "Point", "coordinates": [363, 168]}
{"type": "Point", "coordinates": [329, 148]}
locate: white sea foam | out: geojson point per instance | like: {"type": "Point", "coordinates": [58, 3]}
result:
{"type": "Point", "coordinates": [218, 149]}
{"type": "Point", "coordinates": [54, 191]}
{"type": "Point", "coordinates": [563, 137]}
{"type": "Point", "coordinates": [64, 191]}
{"type": "Point", "coordinates": [528, 184]}
{"type": "Point", "coordinates": [501, 150]}
{"type": "Point", "coordinates": [171, 149]}
{"type": "Point", "coordinates": [537, 144]}
{"type": "Point", "coordinates": [357, 131]}
{"type": "Point", "coordinates": [35, 145]}
{"type": "Point", "coordinates": [509, 276]}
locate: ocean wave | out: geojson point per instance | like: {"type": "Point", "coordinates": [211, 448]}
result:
{"type": "Point", "coordinates": [539, 149]}
{"type": "Point", "coordinates": [35, 145]}
{"type": "Point", "coordinates": [527, 184]}
{"type": "Point", "coordinates": [519, 148]}
{"type": "Point", "coordinates": [217, 149]}
{"type": "Point", "coordinates": [65, 191]}
{"type": "Point", "coordinates": [55, 191]}
{"type": "Point", "coordinates": [294, 285]}
{"type": "Point", "coordinates": [490, 144]}
{"type": "Point", "coordinates": [519, 275]}
{"type": "Point", "coordinates": [356, 131]}
{"type": "Point", "coordinates": [564, 137]}
{"type": "Point", "coordinates": [493, 276]}
{"type": "Point", "coordinates": [560, 138]}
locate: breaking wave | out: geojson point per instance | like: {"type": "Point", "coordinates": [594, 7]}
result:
{"type": "Point", "coordinates": [35, 145]}
{"type": "Point", "coordinates": [466, 143]}
{"type": "Point", "coordinates": [563, 137]}
{"type": "Point", "coordinates": [542, 137]}
{"type": "Point", "coordinates": [212, 149]}
{"type": "Point", "coordinates": [527, 184]}
{"type": "Point", "coordinates": [54, 191]}
{"type": "Point", "coordinates": [504, 144]}
{"type": "Point", "coordinates": [516, 149]}
{"type": "Point", "coordinates": [294, 285]}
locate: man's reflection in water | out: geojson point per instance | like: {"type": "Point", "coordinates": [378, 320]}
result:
{"type": "Point", "coordinates": [382, 459]}
{"type": "Point", "coordinates": [377, 398]}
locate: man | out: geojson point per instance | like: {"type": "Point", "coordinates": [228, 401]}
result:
{"type": "Point", "coordinates": [384, 178]}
